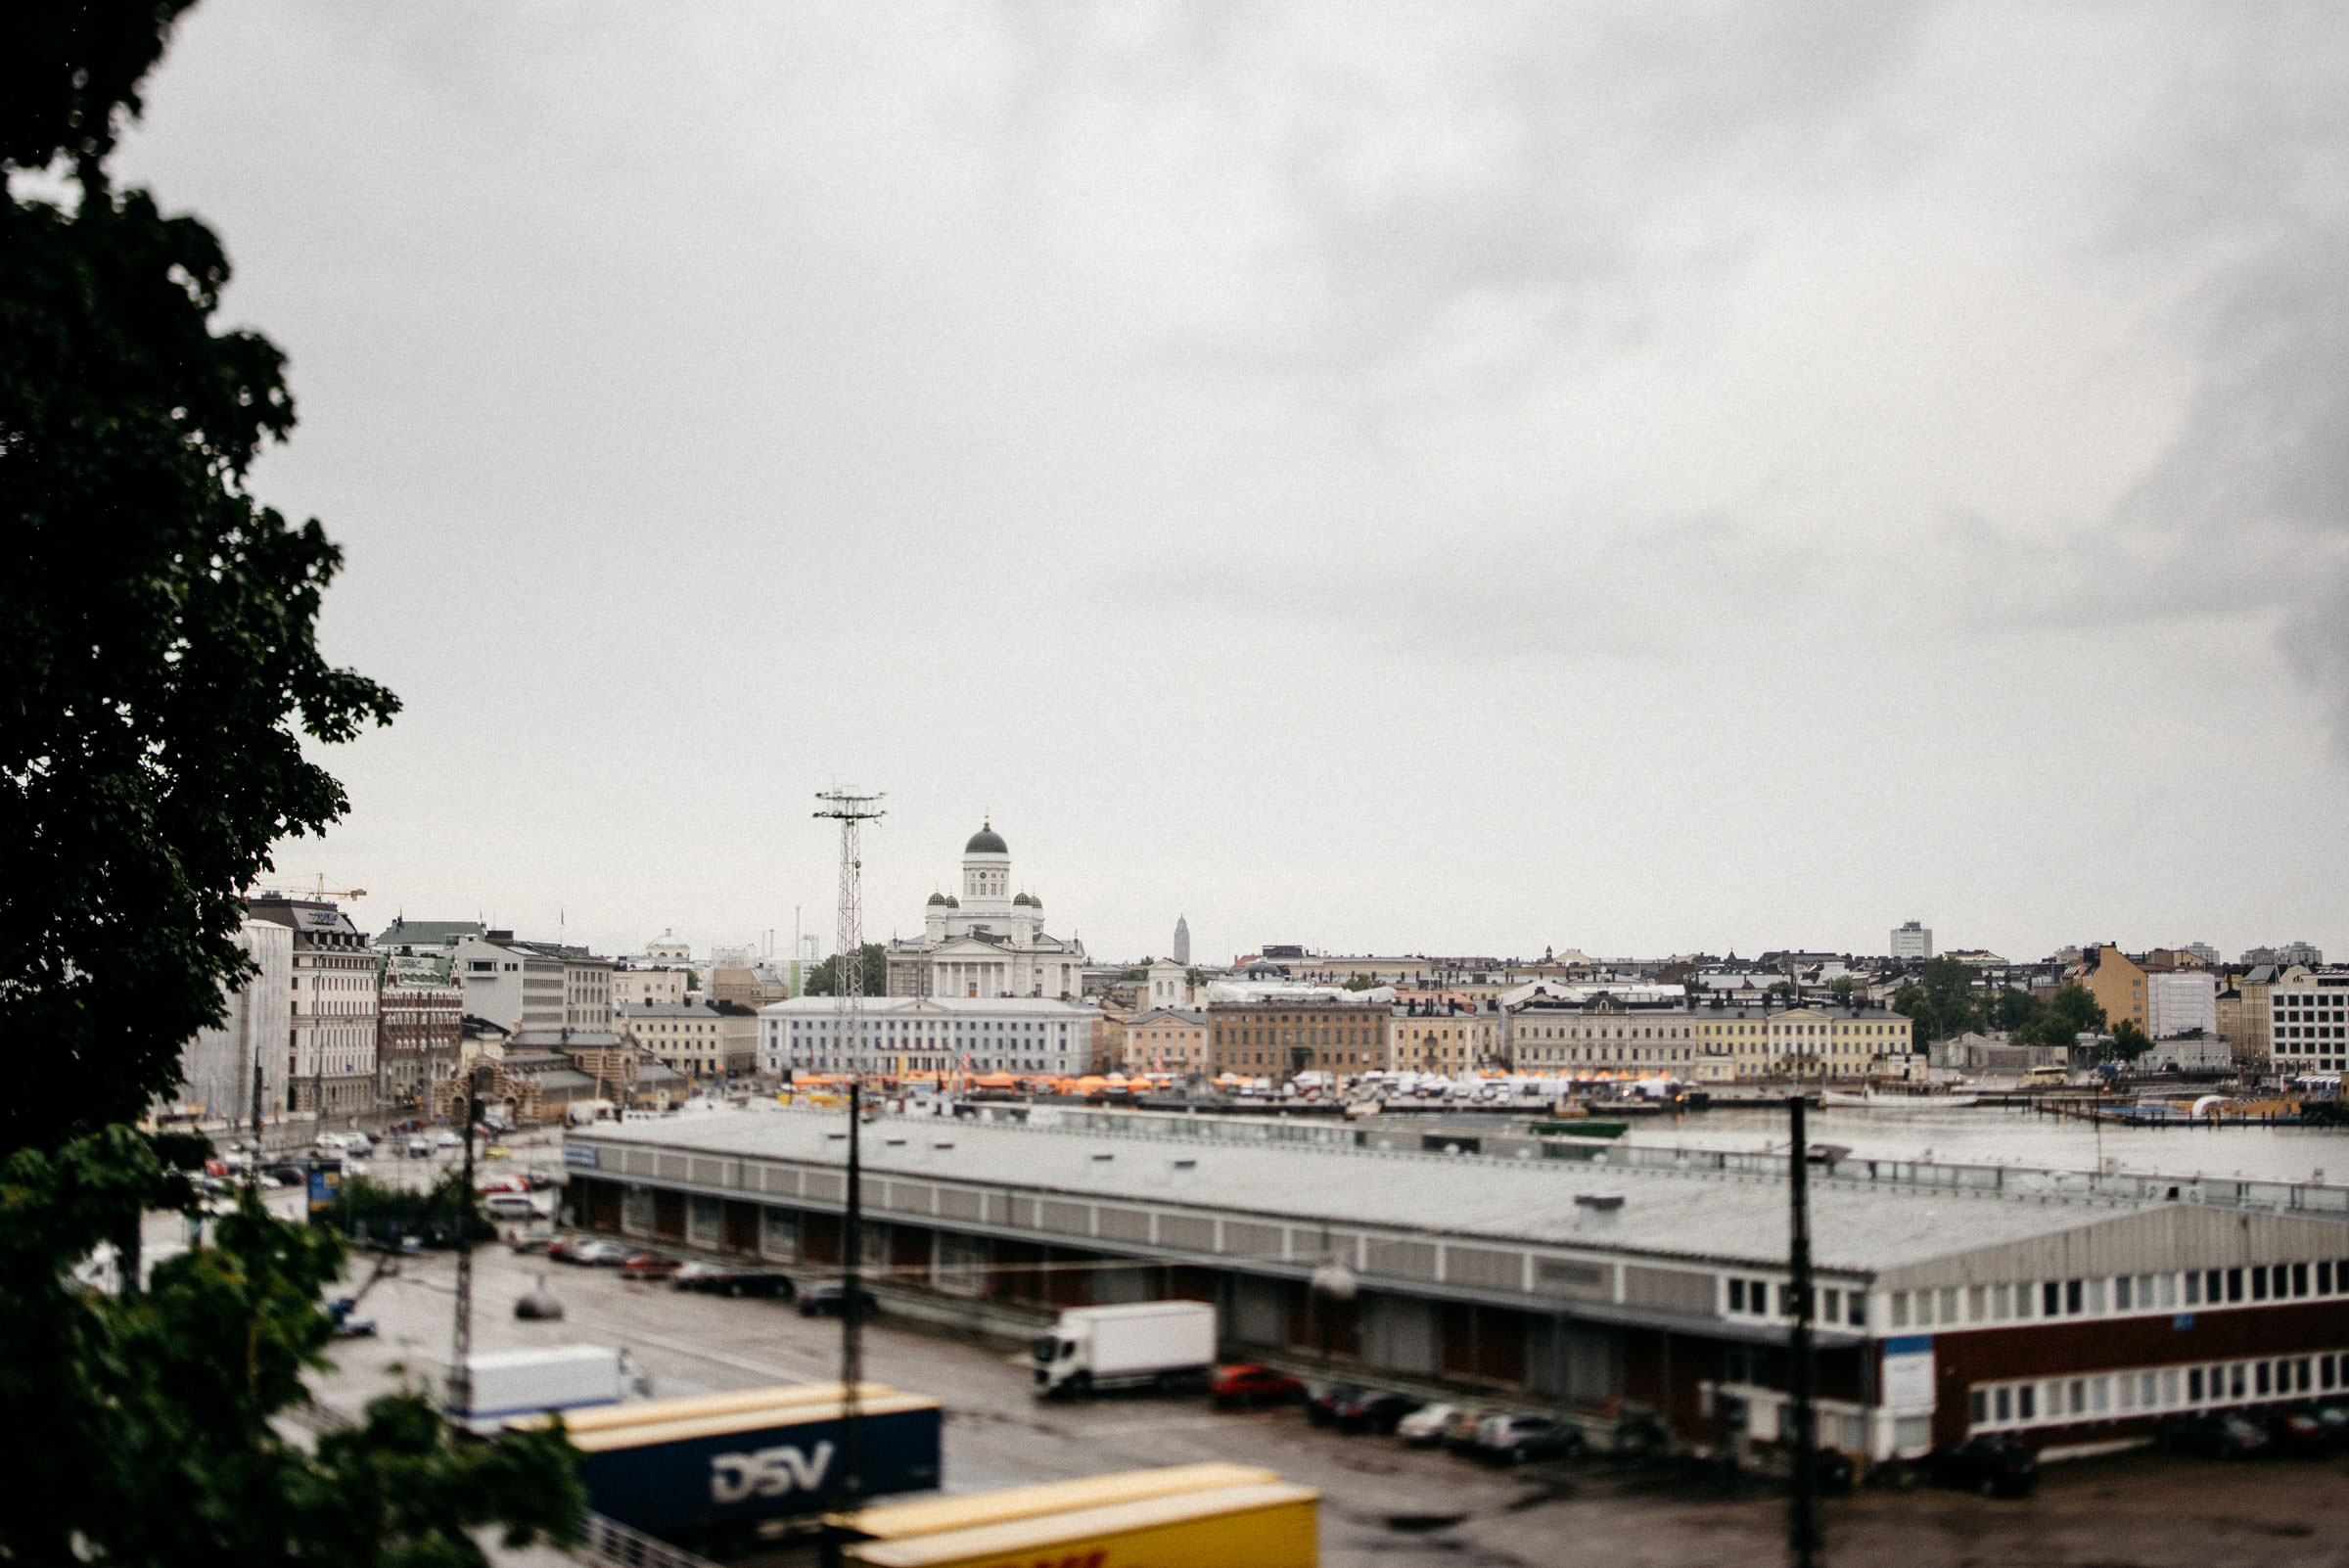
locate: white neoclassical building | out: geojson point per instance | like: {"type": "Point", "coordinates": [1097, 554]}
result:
{"type": "Point", "coordinates": [986, 941]}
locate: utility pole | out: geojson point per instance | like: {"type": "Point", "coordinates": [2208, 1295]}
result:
{"type": "Point", "coordinates": [851, 812]}
{"type": "Point", "coordinates": [1802, 1534]}
{"type": "Point", "coordinates": [460, 1346]}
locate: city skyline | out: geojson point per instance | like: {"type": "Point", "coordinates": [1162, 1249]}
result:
{"type": "Point", "coordinates": [1641, 481]}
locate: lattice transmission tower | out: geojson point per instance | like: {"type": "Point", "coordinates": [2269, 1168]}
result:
{"type": "Point", "coordinates": [851, 812]}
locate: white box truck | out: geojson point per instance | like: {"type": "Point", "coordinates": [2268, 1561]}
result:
{"type": "Point", "coordinates": [1143, 1344]}
{"type": "Point", "coordinates": [531, 1382]}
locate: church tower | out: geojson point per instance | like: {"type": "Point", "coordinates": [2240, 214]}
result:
{"type": "Point", "coordinates": [986, 874]}
{"type": "Point", "coordinates": [1182, 939]}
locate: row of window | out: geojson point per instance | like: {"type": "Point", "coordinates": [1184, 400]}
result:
{"type": "Point", "coordinates": [2152, 1391]}
{"type": "Point", "coordinates": [1752, 1297]}
{"type": "Point", "coordinates": [2123, 1293]}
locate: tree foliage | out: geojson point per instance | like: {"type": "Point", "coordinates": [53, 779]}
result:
{"type": "Point", "coordinates": [872, 973]}
{"type": "Point", "coordinates": [370, 1211]}
{"type": "Point", "coordinates": [140, 1425]}
{"type": "Point", "coordinates": [158, 673]}
{"type": "Point", "coordinates": [2074, 1011]}
{"type": "Point", "coordinates": [1940, 1003]}
{"type": "Point", "coordinates": [159, 659]}
{"type": "Point", "coordinates": [2127, 1042]}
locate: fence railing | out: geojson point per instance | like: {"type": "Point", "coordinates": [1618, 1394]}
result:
{"type": "Point", "coordinates": [608, 1540]}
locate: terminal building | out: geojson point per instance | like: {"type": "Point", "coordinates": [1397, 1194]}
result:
{"type": "Point", "coordinates": [2071, 1310]}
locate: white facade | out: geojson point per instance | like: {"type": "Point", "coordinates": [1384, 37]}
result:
{"type": "Point", "coordinates": [335, 1004]}
{"type": "Point", "coordinates": [508, 984]}
{"type": "Point", "coordinates": [892, 1036]}
{"type": "Point", "coordinates": [1169, 986]}
{"type": "Point", "coordinates": [2309, 1024]}
{"type": "Point", "coordinates": [1911, 940]}
{"type": "Point", "coordinates": [216, 1067]}
{"type": "Point", "coordinates": [2180, 1002]}
{"type": "Point", "coordinates": [986, 941]}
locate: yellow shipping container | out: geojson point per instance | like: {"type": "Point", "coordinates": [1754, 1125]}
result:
{"type": "Point", "coordinates": [1267, 1525]}
{"type": "Point", "coordinates": [895, 1521]}
{"type": "Point", "coordinates": [692, 1406]}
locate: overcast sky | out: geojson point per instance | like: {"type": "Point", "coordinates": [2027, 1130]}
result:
{"type": "Point", "coordinates": [1449, 479]}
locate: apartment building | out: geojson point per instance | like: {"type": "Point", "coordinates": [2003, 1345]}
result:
{"type": "Point", "coordinates": [1443, 1031]}
{"type": "Point", "coordinates": [1164, 1041]}
{"type": "Point", "coordinates": [334, 1006]}
{"type": "Point", "coordinates": [1710, 1041]}
{"type": "Point", "coordinates": [637, 987]}
{"type": "Point", "coordinates": [423, 1027]}
{"type": "Point", "coordinates": [2308, 1023]}
{"type": "Point", "coordinates": [2119, 985]}
{"type": "Point", "coordinates": [1278, 1036]}
{"type": "Point", "coordinates": [216, 1064]}
{"type": "Point", "coordinates": [701, 1040]}
{"type": "Point", "coordinates": [893, 1037]}
{"type": "Point", "coordinates": [2246, 1016]}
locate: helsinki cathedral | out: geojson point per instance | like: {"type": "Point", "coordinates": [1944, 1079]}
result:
{"type": "Point", "coordinates": [988, 940]}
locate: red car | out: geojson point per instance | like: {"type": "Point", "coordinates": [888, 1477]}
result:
{"type": "Point", "coordinates": [1231, 1387]}
{"type": "Point", "coordinates": [649, 1266]}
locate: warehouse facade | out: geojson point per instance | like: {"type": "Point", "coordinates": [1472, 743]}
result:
{"type": "Point", "coordinates": [2068, 1319]}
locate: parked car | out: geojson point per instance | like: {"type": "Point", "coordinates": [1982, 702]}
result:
{"type": "Point", "coordinates": [2298, 1433]}
{"type": "Point", "coordinates": [1374, 1410]}
{"type": "Point", "coordinates": [717, 1279]}
{"type": "Point", "coordinates": [2334, 1417]}
{"type": "Point", "coordinates": [1516, 1439]}
{"type": "Point", "coordinates": [1995, 1467]}
{"type": "Point", "coordinates": [420, 1148]}
{"type": "Point", "coordinates": [1246, 1383]}
{"type": "Point", "coordinates": [1459, 1435]}
{"type": "Point", "coordinates": [446, 1139]}
{"type": "Point", "coordinates": [650, 1266]}
{"type": "Point", "coordinates": [2216, 1435]}
{"type": "Point", "coordinates": [1321, 1404]}
{"type": "Point", "coordinates": [1427, 1424]}
{"type": "Point", "coordinates": [594, 1254]}
{"type": "Point", "coordinates": [825, 1297]}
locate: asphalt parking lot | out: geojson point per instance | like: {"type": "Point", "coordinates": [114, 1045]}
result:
{"type": "Point", "coordinates": [1384, 1504]}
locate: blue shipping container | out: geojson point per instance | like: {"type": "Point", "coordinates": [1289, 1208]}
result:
{"type": "Point", "coordinates": [771, 1469]}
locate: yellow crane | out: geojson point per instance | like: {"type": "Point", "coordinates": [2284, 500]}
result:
{"type": "Point", "coordinates": [321, 890]}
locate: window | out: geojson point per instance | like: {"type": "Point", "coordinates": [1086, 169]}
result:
{"type": "Point", "coordinates": [2050, 1299]}
{"type": "Point", "coordinates": [2071, 1296]}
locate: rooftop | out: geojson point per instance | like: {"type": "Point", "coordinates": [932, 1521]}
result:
{"type": "Point", "coordinates": [1713, 1215]}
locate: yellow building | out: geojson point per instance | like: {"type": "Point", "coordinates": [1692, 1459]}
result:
{"type": "Point", "coordinates": [1163, 1039]}
{"type": "Point", "coordinates": [2118, 985]}
{"type": "Point", "coordinates": [1441, 1032]}
{"type": "Point", "coordinates": [1704, 1043]}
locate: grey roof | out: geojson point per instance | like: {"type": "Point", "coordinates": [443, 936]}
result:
{"type": "Point", "coordinates": [1664, 1215]}
{"type": "Point", "coordinates": [426, 933]}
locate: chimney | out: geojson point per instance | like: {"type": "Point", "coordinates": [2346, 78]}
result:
{"type": "Point", "coordinates": [1598, 1211]}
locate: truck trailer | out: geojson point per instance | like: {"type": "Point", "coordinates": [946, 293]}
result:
{"type": "Point", "coordinates": [529, 1382]}
{"type": "Point", "coordinates": [711, 1475]}
{"type": "Point", "coordinates": [1143, 1344]}
{"type": "Point", "coordinates": [1265, 1524]}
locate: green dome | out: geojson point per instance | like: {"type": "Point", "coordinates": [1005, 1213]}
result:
{"type": "Point", "coordinates": [987, 841]}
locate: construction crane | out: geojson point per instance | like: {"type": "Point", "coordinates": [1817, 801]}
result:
{"type": "Point", "coordinates": [321, 890]}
